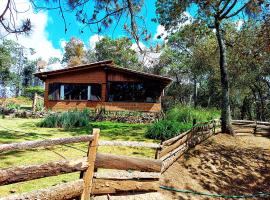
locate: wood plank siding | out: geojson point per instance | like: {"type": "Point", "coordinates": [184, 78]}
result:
{"type": "Point", "coordinates": [101, 73]}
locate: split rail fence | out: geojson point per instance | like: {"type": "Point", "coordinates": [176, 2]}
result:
{"type": "Point", "coordinates": [143, 178]}
{"type": "Point", "coordinates": [243, 127]}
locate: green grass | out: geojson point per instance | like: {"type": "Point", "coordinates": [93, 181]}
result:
{"type": "Point", "coordinates": [27, 130]}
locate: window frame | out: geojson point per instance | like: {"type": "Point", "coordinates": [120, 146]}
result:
{"type": "Point", "coordinates": [157, 100]}
{"type": "Point", "coordinates": [73, 100]}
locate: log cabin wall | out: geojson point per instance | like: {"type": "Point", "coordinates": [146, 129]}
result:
{"type": "Point", "coordinates": [97, 75]}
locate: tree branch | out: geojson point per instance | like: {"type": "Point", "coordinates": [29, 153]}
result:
{"type": "Point", "coordinates": [237, 12]}
{"type": "Point", "coordinates": [228, 10]}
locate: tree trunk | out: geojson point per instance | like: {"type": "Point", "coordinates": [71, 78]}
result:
{"type": "Point", "coordinates": [195, 91]}
{"type": "Point", "coordinates": [225, 107]}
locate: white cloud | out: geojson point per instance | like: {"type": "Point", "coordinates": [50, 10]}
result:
{"type": "Point", "coordinates": [162, 33]}
{"type": "Point", "coordinates": [94, 39]}
{"type": "Point", "coordinates": [63, 43]}
{"type": "Point", "coordinates": [135, 47]}
{"type": "Point", "coordinates": [38, 39]}
{"type": "Point", "coordinates": [239, 24]}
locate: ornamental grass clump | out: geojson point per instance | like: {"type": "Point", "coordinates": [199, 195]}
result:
{"type": "Point", "coordinates": [67, 120]}
{"type": "Point", "coordinates": [178, 120]}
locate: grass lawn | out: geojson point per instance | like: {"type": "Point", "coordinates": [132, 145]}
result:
{"type": "Point", "coordinates": [17, 130]}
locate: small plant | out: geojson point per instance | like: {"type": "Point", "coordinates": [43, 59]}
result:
{"type": "Point", "coordinates": [67, 120]}
{"type": "Point", "coordinates": [12, 105]}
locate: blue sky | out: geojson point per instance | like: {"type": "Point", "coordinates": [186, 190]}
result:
{"type": "Point", "coordinates": [55, 26]}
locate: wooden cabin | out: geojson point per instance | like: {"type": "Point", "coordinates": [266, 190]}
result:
{"type": "Point", "coordinates": [102, 84]}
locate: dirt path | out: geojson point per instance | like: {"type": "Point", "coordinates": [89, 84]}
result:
{"type": "Point", "coordinates": [223, 164]}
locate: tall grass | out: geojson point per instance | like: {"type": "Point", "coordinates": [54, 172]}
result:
{"type": "Point", "coordinates": [69, 119]}
{"type": "Point", "coordinates": [186, 114]}
{"type": "Point", "coordinates": [179, 119]}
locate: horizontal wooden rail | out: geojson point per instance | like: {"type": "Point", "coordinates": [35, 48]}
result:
{"type": "Point", "coordinates": [107, 161]}
{"type": "Point", "coordinates": [44, 143]}
{"type": "Point", "coordinates": [174, 139]}
{"type": "Point", "coordinates": [68, 190]}
{"type": "Point", "coordinates": [74, 189]}
{"type": "Point", "coordinates": [105, 186]}
{"type": "Point", "coordinates": [129, 144]}
{"type": "Point", "coordinates": [125, 175]}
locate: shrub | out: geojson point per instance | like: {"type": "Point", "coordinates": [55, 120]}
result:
{"type": "Point", "coordinates": [30, 91]}
{"type": "Point", "coordinates": [179, 119]}
{"type": "Point", "coordinates": [13, 106]}
{"type": "Point", "coordinates": [69, 119]}
{"type": "Point", "coordinates": [165, 129]}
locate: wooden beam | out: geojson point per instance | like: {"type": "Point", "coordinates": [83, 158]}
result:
{"type": "Point", "coordinates": [31, 172]}
{"type": "Point", "coordinates": [129, 144]}
{"type": "Point", "coordinates": [44, 143]}
{"type": "Point", "coordinates": [59, 192]}
{"type": "Point", "coordinates": [109, 161]}
{"type": "Point", "coordinates": [89, 173]}
{"type": "Point", "coordinates": [125, 175]}
{"type": "Point", "coordinates": [174, 139]}
{"type": "Point", "coordinates": [173, 157]}
{"type": "Point", "coordinates": [170, 148]}
{"type": "Point", "coordinates": [74, 189]}
{"type": "Point", "coordinates": [104, 186]}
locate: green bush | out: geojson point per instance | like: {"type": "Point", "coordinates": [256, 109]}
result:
{"type": "Point", "coordinates": [13, 106]}
{"type": "Point", "coordinates": [69, 119]}
{"type": "Point", "coordinates": [165, 129]}
{"type": "Point", "coordinates": [30, 91]}
{"type": "Point", "coordinates": [179, 119]}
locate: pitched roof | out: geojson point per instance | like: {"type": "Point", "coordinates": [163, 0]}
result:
{"type": "Point", "coordinates": [106, 63]}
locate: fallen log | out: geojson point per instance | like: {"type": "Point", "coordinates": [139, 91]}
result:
{"type": "Point", "coordinates": [59, 192]}
{"type": "Point", "coordinates": [108, 161]}
{"type": "Point", "coordinates": [44, 143]}
{"type": "Point", "coordinates": [129, 144]}
{"type": "Point", "coordinates": [103, 186]}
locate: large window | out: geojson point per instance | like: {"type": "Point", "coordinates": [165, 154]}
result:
{"type": "Point", "coordinates": [133, 92]}
{"type": "Point", "coordinates": [58, 91]}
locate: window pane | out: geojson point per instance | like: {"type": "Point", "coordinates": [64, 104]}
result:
{"type": "Point", "coordinates": [95, 92]}
{"type": "Point", "coordinates": [54, 91]}
{"type": "Point", "coordinates": [134, 92]}
{"type": "Point", "coordinates": [75, 92]}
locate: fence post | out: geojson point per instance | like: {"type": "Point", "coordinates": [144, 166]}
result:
{"type": "Point", "coordinates": [34, 102]}
{"type": "Point", "coordinates": [89, 173]}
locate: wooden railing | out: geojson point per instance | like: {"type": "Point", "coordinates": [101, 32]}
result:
{"type": "Point", "coordinates": [145, 177]}
{"type": "Point", "coordinates": [251, 127]}
{"type": "Point", "coordinates": [174, 148]}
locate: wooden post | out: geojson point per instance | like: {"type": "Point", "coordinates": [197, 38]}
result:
{"type": "Point", "coordinates": [89, 173]}
{"type": "Point", "coordinates": [34, 102]}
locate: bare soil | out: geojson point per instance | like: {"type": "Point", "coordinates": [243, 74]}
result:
{"type": "Point", "coordinates": [223, 164]}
